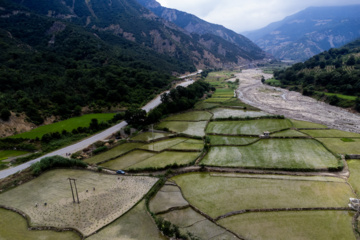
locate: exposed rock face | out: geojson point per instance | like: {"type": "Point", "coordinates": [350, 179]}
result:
{"type": "Point", "coordinates": [309, 32]}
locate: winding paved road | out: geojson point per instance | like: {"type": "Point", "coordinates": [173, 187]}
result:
{"type": "Point", "coordinates": [98, 137]}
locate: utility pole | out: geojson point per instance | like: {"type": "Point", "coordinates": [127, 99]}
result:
{"type": "Point", "coordinates": [72, 191]}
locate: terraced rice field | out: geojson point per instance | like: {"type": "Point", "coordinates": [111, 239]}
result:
{"type": "Point", "coordinates": [113, 153]}
{"type": "Point", "coordinates": [103, 198]}
{"type": "Point", "coordinates": [210, 194]}
{"type": "Point", "coordinates": [227, 112]}
{"type": "Point", "coordinates": [251, 127]}
{"type": "Point", "coordinates": [190, 116]}
{"type": "Point", "coordinates": [341, 145]}
{"type": "Point", "coordinates": [217, 100]}
{"type": "Point", "coordinates": [222, 140]}
{"type": "Point", "coordinates": [354, 180]}
{"type": "Point", "coordinates": [273, 153]}
{"type": "Point", "coordinates": [289, 133]}
{"type": "Point", "coordinates": [129, 160]}
{"type": "Point", "coordinates": [148, 136]}
{"type": "Point", "coordinates": [304, 124]}
{"type": "Point", "coordinates": [14, 227]}
{"type": "Point", "coordinates": [333, 133]}
{"type": "Point", "coordinates": [320, 225]}
{"type": "Point", "coordinates": [190, 128]}
{"type": "Point", "coordinates": [163, 144]}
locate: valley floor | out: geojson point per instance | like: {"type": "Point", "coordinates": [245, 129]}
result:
{"type": "Point", "coordinates": [292, 104]}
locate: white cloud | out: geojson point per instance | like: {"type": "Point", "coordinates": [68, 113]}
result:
{"type": "Point", "coordinates": [243, 15]}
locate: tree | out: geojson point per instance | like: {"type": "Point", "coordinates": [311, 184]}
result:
{"type": "Point", "coordinates": [263, 79]}
{"type": "Point", "coordinates": [5, 114]}
{"type": "Point", "coordinates": [357, 104]}
{"type": "Point", "coordinates": [135, 116]}
{"type": "Point", "coordinates": [351, 61]}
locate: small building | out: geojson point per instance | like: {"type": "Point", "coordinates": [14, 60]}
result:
{"type": "Point", "coordinates": [354, 204]}
{"type": "Point", "coordinates": [266, 134]}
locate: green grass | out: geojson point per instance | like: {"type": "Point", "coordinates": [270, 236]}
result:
{"type": "Point", "coordinates": [168, 197]}
{"type": "Point", "coordinates": [346, 97]}
{"type": "Point", "coordinates": [14, 227]}
{"type": "Point", "coordinates": [289, 133]}
{"type": "Point", "coordinates": [273, 82]}
{"type": "Point", "coordinates": [67, 125]}
{"type": "Point", "coordinates": [127, 227]}
{"type": "Point", "coordinates": [114, 152]}
{"type": "Point", "coordinates": [333, 133]}
{"type": "Point", "coordinates": [354, 180]}
{"type": "Point", "coordinates": [190, 116]}
{"type": "Point", "coordinates": [127, 161]}
{"type": "Point", "coordinates": [217, 100]}
{"type": "Point", "coordinates": [220, 140]}
{"type": "Point", "coordinates": [205, 105]}
{"type": "Point", "coordinates": [226, 113]}
{"type": "Point", "coordinates": [319, 225]}
{"type": "Point", "coordinates": [148, 136]}
{"type": "Point", "coordinates": [5, 154]}
{"type": "Point", "coordinates": [163, 144]}
{"type": "Point", "coordinates": [113, 196]}
{"type": "Point", "coordinates": [251, 127]}
{"type": "Point", "coordinates": [273, 153]}
{"type": "Point", "coordinates": [190, 128]}
{"type": "Point", "coordinates": [304, 124]}
{"type": "Point", "coordinates": [337, 145]}
{"type": "Point", "coordinates": [220, 195]}
{"type": "Point", "coordinates": [166, 158]}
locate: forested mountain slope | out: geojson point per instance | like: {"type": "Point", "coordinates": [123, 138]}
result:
{"type": "Point", "coordinates": [332, 75]}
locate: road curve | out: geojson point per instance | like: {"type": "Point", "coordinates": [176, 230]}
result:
{"type": "Point", "coordinates": [97, 137]}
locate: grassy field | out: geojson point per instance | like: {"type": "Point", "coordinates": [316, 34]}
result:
{"type": "Point", "coordinates": [163, 144]}
{"type": "Point", "coordinates": [114, 152]}
{"type": "Point", "coordinates": [346, 97]}
{"type": "Point", "coordinates": [190, 116]}
{"type": "Point", "coordinates": [354, 180]}
{"type": "Point", "coordinates": [211, 194]}
{"type": "Point", "coordinates": [341, 145]}
{"type": "Point", "coordinates": [273, 153]}
{"type": "Point", "coordinates": [113, 196]}
{"type": "Point", "coordinates": [164, 159]}
{"type": "Point", "coordinates": [251, 127]}
{"type": "Point", "coordinates": [67, 125]}
{"type": "Point", "coordinates": [189, 145]}
{"type": "Point", "coordinates": [217, 100]}
{"type": "Point", "coordinates": [205, 105]}
{"type": "Point", "coordinates": [227, 112]}
{"type": "Point", "coordinates": [168, 197]}
{"type": "Point", "coordinates": [289, 133]}
{"type": "Point", "coordinates": [316, 225]}
{"type": "Point", "coordinates": [14, 227]}
{"type": "Point", "coordinates": [220, 140]}
{"type": "Point", "coordinates": [304, 124]}
{"type": "Point", "coordinates": [191, 128]}
{"type": "Point", "coordinates": [5, 154]}
{"type": "Point", "coordinates": [127, 227]}
{"type": "Point", "coordinates": [273, 82]}
{"type": "Point", "coordinates": [333, 133]}
{"type": "Point", "coordinates": [148, 136]}
{"type": "Point", "coordinates": [127, 161]}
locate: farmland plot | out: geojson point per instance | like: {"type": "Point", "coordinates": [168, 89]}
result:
{"type": "Point", "coordinates": [148, 136]}
{"type": "Point", "coordinates": [163, 144]}
{"type": "Point", "coordinates": [289, 133]}
{"type": "Point", "coordinates": [166, 158]}
{"type": "Point", "coordinates": [273, 153]}
{"type": "Point", "coordinates": [333, 133]}
{"type": "Point", "coordinates": [127, 227]}
{"type": "Point", "coordinates": [316, 225]}
{"type": "Point", "coordinates": [103, 198]}
{"type": "Point", "coordinates": [190, 116]}
{"type": "Point", "coordinates": [227, 112]}
{"type": "Point", "coordinates": [217, 100]}
{"type": "Point", "coordinates": [14, 227]}
{"type": "Point", "coordinates": [127, 161]}
{"type": "Point", "coordinates": [113, 153]}
{"type": "Point", "coordinates": [354, 180]}
{"type": "Point", "coordinates": [210, 194]}
{"type": "Point", "coordinates": [222, 140]}
{"type": "Point", "coordinates": [342, 145]}
{"type": "Point", "coordinates": [304, 124]}
{"type": "Point", "coordinates": [190, 128]}
{"type": "Point", "coordinates": [251, 127]}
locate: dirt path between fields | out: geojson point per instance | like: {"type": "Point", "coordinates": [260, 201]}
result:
{"type": "Point", "coordinates": [292, 104]}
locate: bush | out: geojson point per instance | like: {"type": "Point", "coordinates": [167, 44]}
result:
{"type": "Point", "coordinates": [5, 114]}
{"type": "Point", "coordinates": [100, 149]}
{"type": "Point", "coordinates": [55, 162]}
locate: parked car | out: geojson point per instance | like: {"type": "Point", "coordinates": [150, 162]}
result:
{"type": "Point", "coordinates": [120, 172]}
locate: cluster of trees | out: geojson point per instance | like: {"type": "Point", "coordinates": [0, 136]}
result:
{"type": "Point", "coordinates": [55, 162]}
{"type": "Point", "coordinates": [334, 71]}
{"type": "Point", "coordinates": [178, 99]}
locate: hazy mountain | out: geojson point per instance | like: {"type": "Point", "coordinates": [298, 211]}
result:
{"type": "Point", "coordinates": [193, 24]}
{"type": "Point", "coordinates": [309, 32]}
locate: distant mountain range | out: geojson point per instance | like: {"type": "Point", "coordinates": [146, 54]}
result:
{"type": "Point", "coordinates": [309, 32]}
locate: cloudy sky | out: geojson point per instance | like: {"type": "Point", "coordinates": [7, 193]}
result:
{"type": "Point", "coordinates": [244, 15]}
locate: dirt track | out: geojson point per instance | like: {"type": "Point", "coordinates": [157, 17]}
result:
{"type": "Point", "coordinates": [292, 104]}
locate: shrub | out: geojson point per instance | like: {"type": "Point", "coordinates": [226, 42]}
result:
{"type": "Point", "coordinates": [100, 149]}
{"type": "Point", "coordinates": [55, 162]}
{"type": "Point", "coordinates": [5, 114]}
